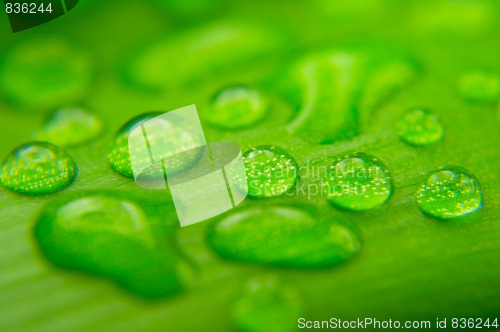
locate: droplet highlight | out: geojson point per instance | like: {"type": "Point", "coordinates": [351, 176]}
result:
{"type": "Point", "coordinates": [283, 236]}
{"type": "Point", "coordinates": [448, 192]}
{"type": "Point", "coordinates": [270, 170]}
{"type": "Point", "coordinates": [266, 303]}
{"type": "Point", "coordinates": [71, 126]}
{"type": "Point", "coordinates": [237, 107]}
{"type": "Point", "coordinates": [358, 181]}
{"type": "Point", "coordinates": [112, 238]}
{"type": "Point", "coordinates": [37, 169]}
{"type": "Point", "coordinates": [420, 127]}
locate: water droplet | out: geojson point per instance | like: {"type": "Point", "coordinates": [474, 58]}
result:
{"type": "Point", "coordinates": [204, 51]}
{"type": "Point", "coordinates": [283, 236]}
{"type": "Point", "coordinates": [71, 126]}
{"type": "Point", "coordinates": [190, 8]}
{"type": "Point", "coordinates": [479, 86]}
{"type": "Point", "coordinates": [335, 92]}
{"type": "Point", "coordinates": [237, 107]}
{"type": "Point", "coordinates": [44, 72]}
{"type": "Point", "coordinates": [448, 192]}
{"type": "Point", "coordinates": [420, 127]}
{"type": "Point", "coordinates": [177, 139]}
{"type": "Point", "coordinates": [37, 169]}
{"type": "Point", "coordinates": [358, 181]}
{"type": "Point", "coordinates": [112, 238]}
{"type": "Point", "coordinates": [267, 303]}
{"type": "Point", "coordinates": [119, 157]}
{"type": "Point", "coordinates": [270, 171]}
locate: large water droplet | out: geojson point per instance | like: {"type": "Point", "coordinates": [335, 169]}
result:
{"type": "Point", "coordinates": [71, 126]}
{"type": "Point", "coordinates": [420, 127]}
{"type": "Point", "coordinates": [267, 303]}
{"type": "Point", "coordinates": [335, 92]}
{"type": "Point", "coordinates": [237, 107]}
{"type": "Point", "coordinates": [283, 236]}
{"type": "Point", "coordinates": [113, 238]}
{"type": "Point", "coordinates": [479, 86]}
{"type": "Point", "coordinates": [448, 192]}
{"type": "Point", "coordinates": [270, 171]}
{"type": "Point", "coordinates": [358, 181]}
{"type": "Point", "coordinates": [38, 168]}
{"type": "Point", "coordinates": [43, 73]}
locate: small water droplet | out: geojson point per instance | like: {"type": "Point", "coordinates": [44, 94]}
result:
{"type": "Point", "coordinates": [37, 169]}
{"type": "Point", "coordinates": [420, 127]}
{"type": "Point", "coordinates": [450, 191]}
{"type": "Point", "coordinates": [358, 181]}
{"type": "Point", "coordinates": [283, 236]}
{"type": "Point", "coordinates": [71, 126]}
{"type": "Point", "coordinates": [479, 86]}
{"type": "Point", "coordinates": [267, 303]}
{"type": "Point", "coordinates": [453, 19]}
{"type": "Point", "coordinates": [44, 72]}
{"type": "Point", "coordinates": [237, 107]}
{"type": "Point", "coordinates": [113, 238]}
{"type": "Point", "coordinates": [271, 171]}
